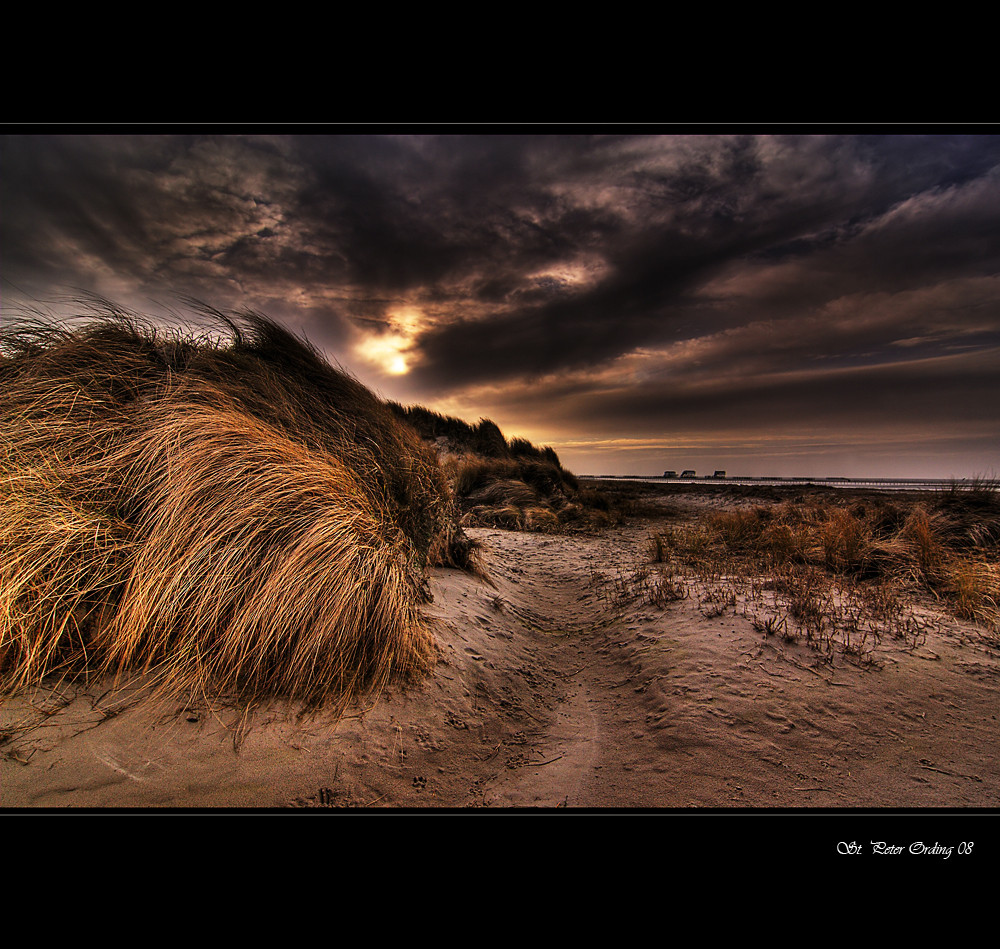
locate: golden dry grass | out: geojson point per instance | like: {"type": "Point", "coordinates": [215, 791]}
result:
{"type": "Point", "coordinates": [840, 571]}
{"type": "Point", "coordinates": [225, 512]}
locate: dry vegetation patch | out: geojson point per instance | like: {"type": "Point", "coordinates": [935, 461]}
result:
{"type": "Point", "coordinates": [837, 572]}
{"type": "Point", "coordinates": [508, 483]}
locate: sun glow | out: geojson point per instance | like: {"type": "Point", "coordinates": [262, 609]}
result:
{"type": "Point", "coordinates": [390, 350]}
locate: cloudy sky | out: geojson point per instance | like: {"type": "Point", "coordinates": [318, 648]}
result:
{"type": "Point", "coordinates": [790, 304]}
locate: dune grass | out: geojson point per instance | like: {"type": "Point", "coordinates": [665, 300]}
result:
{"type": "Point", "coordinates": [458, 437]}
{"type": "Point", "coordinates": [925, 544]}
{"type": "Point", "coordinates": [508, 483]}
{"type": "Point", "coordinates": [225, 512]}
{"type": "Point", "coordinates": [524, 492]}
{"type": "Point", "coordinates": [839, 573]}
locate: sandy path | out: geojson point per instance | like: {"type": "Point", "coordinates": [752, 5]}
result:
{"type": "Point", "coordinates": [548, 694]}
{"type": "Point", "coordinates": [672, 708]}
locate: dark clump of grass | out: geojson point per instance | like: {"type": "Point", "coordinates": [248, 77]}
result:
{"type": "Point", "coordinates": [225, 511]}
{"type": "Point", "coordinates": [508, 493]}
{"type": "Point", "coordinates": [662, 544]}
{"type": "Point", "coordinates": [526, 491]}
{"type": "Point", "coordinates": [507, 483]}
{"type": "Point", "coordinates": [972, 513]}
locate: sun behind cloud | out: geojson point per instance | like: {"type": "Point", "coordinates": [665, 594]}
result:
{"type": "Point", "coordinates": [390, 351]}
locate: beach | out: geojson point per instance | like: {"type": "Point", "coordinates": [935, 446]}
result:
{"type": "Point", "coordinates": [560, 681]}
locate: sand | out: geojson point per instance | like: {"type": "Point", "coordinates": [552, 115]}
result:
{"type": "Point", "coordinates": [549, 694]}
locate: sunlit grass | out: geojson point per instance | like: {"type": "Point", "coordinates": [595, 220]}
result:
{"type": "Point", "coordinates": [227, 513]}
{"type": "Point", "coordinates": [840, 574]}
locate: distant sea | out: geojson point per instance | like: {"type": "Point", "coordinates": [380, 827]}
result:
{"type": "Point", "coordinates": [882, 484]}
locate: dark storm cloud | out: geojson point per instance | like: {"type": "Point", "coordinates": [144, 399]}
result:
{"type": "Point", "coordinates": [873, 397]}
{"type": "Point", "coordinates": [160, 218]}
{"type": "Point", "coordinates": [855, 219]}
{"type": "Point", "coordinates": [620, 280]}
{"type": "Point", "coordinates": [409, 213]}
